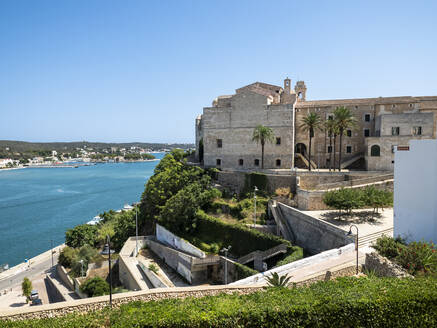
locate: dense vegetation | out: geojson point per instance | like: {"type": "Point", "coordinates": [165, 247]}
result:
{"type": "Point", "coordinates": [178, 196]}
{"type": "Point", "coordinates": [95, 287]}
{"type": "Point", "coordinates": [418, 258]}
{"type": "Point", "coordinates": [348, 199]}
{"type": "Point", "coordinates": [346, 302]}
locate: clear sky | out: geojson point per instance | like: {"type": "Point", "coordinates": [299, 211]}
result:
{"type": "Point", "coordinates": [119, 71]}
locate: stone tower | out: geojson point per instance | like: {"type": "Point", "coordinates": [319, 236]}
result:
{"type": "Point", "coordinates": [301, 90]}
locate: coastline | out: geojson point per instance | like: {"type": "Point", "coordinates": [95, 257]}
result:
{"type": "Point", "coordinates": [12, 168]}
{"type": "Point", "coordinates": [23, 265]}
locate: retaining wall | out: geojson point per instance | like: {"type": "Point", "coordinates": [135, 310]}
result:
{"type": "Point", "coordinates": [54, 290]}
{"type": "Point", "coordinates": [312, 234]}
{"type": "Point", "coordinates": [65, 278]}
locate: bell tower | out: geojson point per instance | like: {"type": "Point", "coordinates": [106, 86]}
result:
{"type": "Point", "coordinates": [301, 90]}
{"type": "Point", "coordinates": [287, 86]}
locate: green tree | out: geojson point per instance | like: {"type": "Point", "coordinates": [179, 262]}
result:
{"type": "Point", "coordinates": [124, 227]}
{"type": "Point", "coordinates": [261, 135]}
{"type": "Point", "coordinates": [95, 287]}
{"type": "Point", "coordinates": [310, 123]}
{"type": "Point", "coordinates": [68, 256]}
{"type": "Point", "coordinates": [81, 235]}
{"type": "Point", "coordinates": [26, 287]}
{"type": "Point", "coordinates": [344, 199]}
{"type": "Point", "coordinates": [377, 198]}
{"type": "Point", "coordinates": [344, 119]}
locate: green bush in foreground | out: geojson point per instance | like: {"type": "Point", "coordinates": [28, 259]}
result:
{"type": "Point", "coordinates": [346, 302]}
{"type": "Point", "coordinates": [95, 287]}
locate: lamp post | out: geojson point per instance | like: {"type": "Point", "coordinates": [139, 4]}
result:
{"type": "Point", "coordinates": [108, 251]}
{"type": "Point", "coordinates": [81, 268]}
{"type": "Point", "coordinates": [254, 199]}
{"type": "Point", "coordinates": [226, 250]}
{"type": "Point", "coordinates": [356, 242]}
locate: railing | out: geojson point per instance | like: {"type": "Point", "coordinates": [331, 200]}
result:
{"type": "Point", "coordinates": [355, 182]}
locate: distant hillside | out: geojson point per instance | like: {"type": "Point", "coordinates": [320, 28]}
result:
{"type": "Point", "coordinates": [22, 146]}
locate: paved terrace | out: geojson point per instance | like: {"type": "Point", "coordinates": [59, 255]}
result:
{"type": "Point", "coordinates": [369, 228]}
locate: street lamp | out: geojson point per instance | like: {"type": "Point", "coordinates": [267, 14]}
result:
{"type": "Point", "coordinates": [254, 199]}
{"type": "Point", "coordinates": [108, 251]}
{"type": "Point", "coordinates": [81, 268]}
{"type": "Point", "coordinates": [356, 242]}
{"type": "Point", "coordinates": [226, 250]}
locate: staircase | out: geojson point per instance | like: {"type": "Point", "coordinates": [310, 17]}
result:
{"type": "Point", "coordinates": [368, 240]}
{"type": "Point", "coordinates": [352, 160]}
{"type": "Point", "coordinates": [305, 160]}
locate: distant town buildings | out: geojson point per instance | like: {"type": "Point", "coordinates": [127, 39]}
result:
{"type": "Point", "coordinates": [224, 130]}
{"type": "Point", "coordinates": [415, 191]}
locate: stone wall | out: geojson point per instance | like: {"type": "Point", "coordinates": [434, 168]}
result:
{"type": "Point", "coordinates": [54, 291]}
{"type": "Point", "coordinates": [383, 267]}
{"type": "Point", "coordinates": [169, 238]}
{"type": "Point", "coordinates": [312, 234]}
{"type": "Point", "coordinates": [98, 303]}
{"type": "Point", "coordinates": [65, 278]}
{"type": "Point", "coordinates": [235, 181]}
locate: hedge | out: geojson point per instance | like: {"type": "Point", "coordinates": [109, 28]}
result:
{"type": "Point", "coordinates": [243, 271]}
{"type": "Point", "coordinates": [346, 302]}
{"type": "Point", "coordinates": [242, 239]}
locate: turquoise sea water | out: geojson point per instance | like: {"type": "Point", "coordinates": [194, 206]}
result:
{"type": "Point", "coordinates": [39, 204]}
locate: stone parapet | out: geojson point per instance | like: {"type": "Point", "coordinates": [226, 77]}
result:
{"type": "Point", "coordinates": [383, 267]}
{"type": "Point", "coordinates": [100, 302]}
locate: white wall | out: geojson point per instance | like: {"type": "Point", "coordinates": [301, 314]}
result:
{"type": "Point", "coordinates": [166, 237]}
{"type": "Point", "coordinates": [415, 191]}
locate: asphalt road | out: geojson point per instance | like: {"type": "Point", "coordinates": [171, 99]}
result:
{"type": "Point", "coordinates": [35, 270]}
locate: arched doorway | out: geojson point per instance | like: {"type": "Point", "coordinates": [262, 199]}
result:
{"type": "Point", "coordinates": [301, 149]}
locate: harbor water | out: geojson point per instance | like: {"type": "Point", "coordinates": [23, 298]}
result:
{"type": "Point", "coordinates": [37, 205]}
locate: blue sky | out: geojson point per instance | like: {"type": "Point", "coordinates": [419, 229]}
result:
{"type": "Point", "coordinates": [119, 71]}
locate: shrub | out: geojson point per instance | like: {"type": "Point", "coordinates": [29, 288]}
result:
{"type": "Point", "coordinates": [153, 268]}
{"type": "Point", "coordinates": [376, 198]}
{"type": "Point", "coordinates": [284, 192]}
{"type": "Point", "coordinates": [419, 258]}
{"type": "Point", "coordinates": [388, 247]}
{"type": "Point", "coordinates": [345, 302]}
{"type": "Point", "coordinates": [243, 271]}
{"type": "Point", "coordinates": [294, 253]}
{"type": "Point", "coordinates": [95, 287]}
{"type": "Point", "coordinates": [278, 281]}
{"type": "Point", "coordinates": [81, 235]}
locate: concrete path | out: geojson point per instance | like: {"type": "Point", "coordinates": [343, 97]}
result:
{"type": "Point", "coordinates": [369, 229]}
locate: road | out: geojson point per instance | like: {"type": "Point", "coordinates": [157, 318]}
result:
{"type": "Point", "coordinates": [36, 269]}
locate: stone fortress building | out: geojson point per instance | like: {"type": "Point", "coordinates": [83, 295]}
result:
{"type": "Point", "coordinates": [224, 130]}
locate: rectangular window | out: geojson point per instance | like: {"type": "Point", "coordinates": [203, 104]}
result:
{"type": "Point", "coordinates": [348, 149]}
{"type": "Point", "coordinates": [218, 162]}
{"type": "Point", "coordinates": [278, 162]}
{"type": "Point", "coordinates": [367, 117]}
{"type": "Point", "coordinates": [366, 133]}
{"type": "Point", "coordinates": [278, 141]}
{"type": "Point", "coordinates": [417, 130]}
{"type": "Point", "coordinates": [240, 162]}
{"type": "Point", "coordinates": [256, 162]}
{"type": "Point", "coordinates": [349, 133]}
{"type": "Point", "coordinates": [329, 149]}
{"type": "Point", "coordinates": [219, 143]}
{"type": "Point", "coordinates": [395, 131]}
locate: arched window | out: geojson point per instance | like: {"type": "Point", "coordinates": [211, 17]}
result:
{"type": "Point", "coordinates": [375, 151]}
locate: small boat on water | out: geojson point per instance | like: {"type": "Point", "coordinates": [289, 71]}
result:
{"type": "Point", "coordinates": [127, 207]}
{"type": "Point", "coordinates": [95, 220]}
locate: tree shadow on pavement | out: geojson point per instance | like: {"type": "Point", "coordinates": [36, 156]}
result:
{"type": "Point", "coordinates": [343, 218]}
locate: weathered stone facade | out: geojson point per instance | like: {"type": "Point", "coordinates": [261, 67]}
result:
{"type": "Point", "coordinates": [224, 130]}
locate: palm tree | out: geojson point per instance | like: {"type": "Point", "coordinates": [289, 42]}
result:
{"type": "Point", "coordinates": [344, 119]}
{"type": "Point", "coordinates": [262, 134]}
{"type": "Point", "coordinates": [311, 123]}
{"type": "Point", "coordinates": [330, 128]}
{"type": "Point", "coordinates": [278, 281]}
